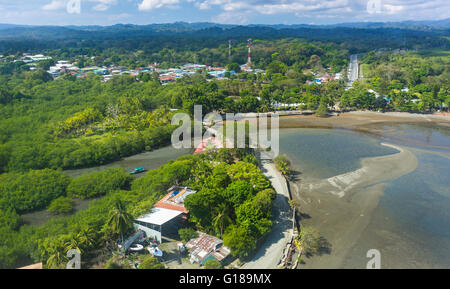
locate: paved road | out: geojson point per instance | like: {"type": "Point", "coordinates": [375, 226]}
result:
{"type": "Point", "coordinates": [270, 254]}
{"type": "Point", "coordinates": [353, 70]}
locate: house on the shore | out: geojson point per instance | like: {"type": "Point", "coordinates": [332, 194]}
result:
{"type": "Point", "coordinates": [167, 215]}
{"type": "Point", "coordinates": [206, 247]}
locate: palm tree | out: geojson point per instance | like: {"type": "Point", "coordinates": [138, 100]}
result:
{"type": "Point", "coordinates": [86, 237]}
{"type": "Point", "coordinates": [73, 243]}
{"type": "Point", "coordinates": [119, 219]}
{"type": "Point", "coordinates": [55, 260]}
{"type": "Point", "coordinates": [54, 249]}
{"type": "Point", "coordinates": [221, 218]}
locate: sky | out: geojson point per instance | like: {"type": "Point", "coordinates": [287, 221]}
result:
{"type": "Point", "coordinates": [109, 12]}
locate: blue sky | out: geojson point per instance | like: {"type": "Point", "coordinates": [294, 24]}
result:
{"type": "Point", "coordinates": [107, 12]}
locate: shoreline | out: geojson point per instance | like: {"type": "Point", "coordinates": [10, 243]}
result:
{"type": "Point", "coordinates": [269, 254]}
{"type": "Point", "coordinates": [341, 207]}
{"type": "Point", "coordinates": [359, 120]}
{"type": "Point", "coordinates": [374, 124]}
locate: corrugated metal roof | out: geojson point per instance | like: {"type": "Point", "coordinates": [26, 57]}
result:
{"type": "Point", "coordinates": [159, 216]}
{"type": "Point", "coordinates": [206, 244]}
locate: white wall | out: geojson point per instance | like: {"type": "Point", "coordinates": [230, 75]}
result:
{"type": "Point", "coordinates": [149, 232]}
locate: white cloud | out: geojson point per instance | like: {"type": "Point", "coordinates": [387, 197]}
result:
{"type": "Point", "coordinates": [102, 5]}
{"type": "Point", "coordinates": [232, 18]}
{"type": "Point", "coordinates": [55, 5]}
{"type": "Point", "coordinates": [393, 9]}
{"type": "Point", "coordinates": [148, 5]}
{"type": "Point", "coordinates": [241, 11]}
{"type": "Point", "coordinates": [346, 9]}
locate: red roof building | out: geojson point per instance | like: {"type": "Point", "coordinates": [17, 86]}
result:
{"type": "Point", "coordinates": [174, 200]}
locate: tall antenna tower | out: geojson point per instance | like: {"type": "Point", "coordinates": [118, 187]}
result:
{"type": "Point", "coordinates": [249, 61]}
{"type": "Point", "coordinates": [229, 49]}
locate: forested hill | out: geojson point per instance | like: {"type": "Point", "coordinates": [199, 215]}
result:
{"type": "Point", "coordinates": [357, 37]}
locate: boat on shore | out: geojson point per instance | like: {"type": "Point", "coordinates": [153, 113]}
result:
{"type": "Point", "coordinates": [138, 171]}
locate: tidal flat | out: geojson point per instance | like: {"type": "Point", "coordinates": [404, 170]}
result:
{"type": "Point", "coordinates": [375, 184]}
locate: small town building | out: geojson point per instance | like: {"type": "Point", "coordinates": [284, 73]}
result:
{"type": "Point", "coordinates": [206, 247]}
{"type": "Point", "coordinates": [167, 216]}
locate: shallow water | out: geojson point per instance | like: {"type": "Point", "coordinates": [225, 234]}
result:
{"type": "Point", "coordinates": [411, 224]}
{"type": "Point", "coordinates": [148, 160]}
{"type": "Point", "coordinates": [422, 135]}
{"type": "Point", "coordinates": [39, 218]}
{"type": "Point", "coordinates": [323, 153]}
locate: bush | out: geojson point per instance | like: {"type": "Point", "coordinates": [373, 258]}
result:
{"type": "Point", "coordinates": [99, 183]}
{"type": "Point", "coordinates": [187, 234]}
{"type": "Point", "coordinates": [238, 192]}
{"type": "Point", "coordinates": [283, 164]}
{"type": "Point", "coordinates": [322, 110]}
{"type": "Point", "coordinates": [310, 240]}
{"type": "Point", "coordinates": [151, 263]}
{"type": "Point", "coordinates": [9, 219]}
{"type": "Point", "coordinates": [212, 264]}
{"type": "Point", "coordinates": [61, 205]}
{"type": "Point", "coordinates": [32, 190]}
{"type": "Point", "coordinates": [112, 265]}
{"type": "Point", "coordinates": [240, 241]}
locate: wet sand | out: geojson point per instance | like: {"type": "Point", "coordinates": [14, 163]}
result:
{"type": "Point", "coordinates": [341, 207]}
{"type": "Point", "coordinates": [360, 120]}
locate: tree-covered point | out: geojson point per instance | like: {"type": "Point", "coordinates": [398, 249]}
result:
{"type": "Point", "coordinates": [234, 201]}
{"type": "Point", "coordinates": [100, 224]}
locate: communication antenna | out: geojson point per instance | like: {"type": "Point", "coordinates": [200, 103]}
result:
{"type": "Point", "coordinates": [249, 61]}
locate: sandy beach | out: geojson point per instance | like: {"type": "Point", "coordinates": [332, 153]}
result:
{"type": "Point", "coordinates": [360, 120]}
{"type": "Point", "coordinates": [342, 206]}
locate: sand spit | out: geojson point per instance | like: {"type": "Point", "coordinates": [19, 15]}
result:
{"type": "Point", "coordinates": [373, 171]}
{"type": "Point", "coordinates": [341, 207]}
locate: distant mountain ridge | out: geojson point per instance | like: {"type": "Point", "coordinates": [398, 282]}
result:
{"type": "Point", "coordinates": [185, 26]}
{"type": "Point", "coordinates": [358, 36]}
